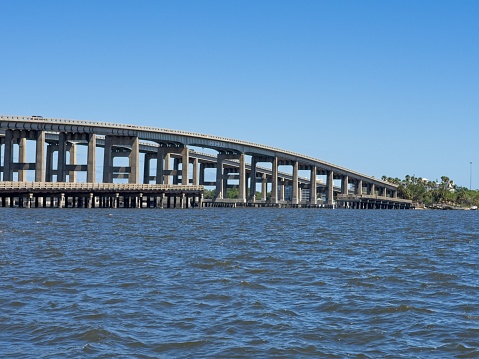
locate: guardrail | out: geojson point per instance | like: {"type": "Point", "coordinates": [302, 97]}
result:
{"type": "Point", "coordinates": [72, 186]}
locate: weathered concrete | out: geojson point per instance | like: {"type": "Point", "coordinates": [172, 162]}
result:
{"type": "Point", "coordinates": [124, 141]}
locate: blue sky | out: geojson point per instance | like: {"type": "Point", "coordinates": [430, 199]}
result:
{"type": "Point", "coordinates": [381, 87]}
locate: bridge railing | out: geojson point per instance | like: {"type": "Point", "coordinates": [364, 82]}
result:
{"type": "Point", "coordinates": [10, 185]}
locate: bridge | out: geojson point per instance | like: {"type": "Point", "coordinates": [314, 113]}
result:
{"type": "Point", "coordinates": [240, 164]}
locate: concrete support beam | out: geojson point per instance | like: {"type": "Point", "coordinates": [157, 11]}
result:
{"type": "Point", "coordinates": [253, 178]}
{"type": "Point", "coordinates": [345, 184]}
{"type": "Point", "coordinates": [330, 184]}
{"type": "Point", "coordinates": [72, 176]}
{"type": "Point", "coordinates": [40, 157]}
{"type": "Point", "coordinates": [160, 166]}
{"type": "Point", "coordinates": [220, 191]}
{"type": "Point", "coordinates": [91, 161]}
{"type": "Point", "coordinates": [202, 174]}
{"type": "Point", "coordinates": [313, 189]}
{"type": "Point", "coordinates": [242, 178]}
{"type": "Point", "coordinates": [196, 181]}
{"type": "Point", "coordinates": [274, 181]}
{"type": "Point", "coordinates": [108, 160]}
{"type": "Point", "coordinates": [176, 169]}
{"type": "Point", "coordinates": [62, 151]}
{"type": "Point", "coordinates": [8, 157]}
{"type": "Point", "coordinates": [22, 158]}
{"type": "Point", "coordinates": [359, 187]}
{"type": "Point", "coordinates": [146, 167]}
{"type": "Point", "coordinates": [264, 187]}
{"type": "Point", "coordinates": [134, 162]}
{"type": "Point", "coordinates": [185, 161]}
{"type": "Point", "coordinates": [295, 195]}
{"type": "Point", "coordinates": [49, 163]}
{"type": "Point", "coordinates": [167, 166]}
{"type": "Point", "coordinates": [225, 183]}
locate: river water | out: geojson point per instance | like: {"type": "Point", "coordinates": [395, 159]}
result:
{"type": "Point", "coordinates": [238, 283]}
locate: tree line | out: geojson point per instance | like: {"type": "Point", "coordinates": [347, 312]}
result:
{"type": "Point", "coordinates": [431, 193]}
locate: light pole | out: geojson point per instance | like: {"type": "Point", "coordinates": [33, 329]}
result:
{"type": "Point", "coordinates": [470, 176]}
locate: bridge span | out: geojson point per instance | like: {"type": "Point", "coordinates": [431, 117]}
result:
{"type": "Point", "coordinates": [236, 163]}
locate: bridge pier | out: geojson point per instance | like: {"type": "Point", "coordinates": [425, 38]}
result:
{"type": "Point", "coordinates": [330, 184]}
{"type": "Point", "coordinates": [163, 171]}
{"type": "Point", "coordinates": [313, 186]}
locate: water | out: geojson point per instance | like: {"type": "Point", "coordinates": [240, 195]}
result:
{"type": "Point", "coordinates": [238, 283]}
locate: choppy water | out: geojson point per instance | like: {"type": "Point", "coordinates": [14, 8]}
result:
{"type": "Point", "coordinates": [238, 283]}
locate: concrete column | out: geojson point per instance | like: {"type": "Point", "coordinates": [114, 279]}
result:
{"type": "Point", "coordinates": [160, 157]}
{"type": "Point", "coordinates": [91, 162]}
{"type": "Point", "coordinates": [253, 179]}
{"type": "Point", "coordinates": [274, 181]}
{"type": "Point", "coordinates": [108, 161]}
{"type": "Point", "coordinates": [372, 190]}
{"type": "Point", "coordinates": [264, 187]}
{"type": "Point", "coordinates": [330, 184]}
{"type": "Point", "coordinates": [40, 157]}
{"type": "Point", "coordinates": [312, 191]}
{"type": "Point", "coordinates": [146, 168]}
{"type": "Point", "coordinates": [344, 184]}
{"type": "Point", "coordinates": [202, 174]}
{"type": "Point", "coordinates": [219, 177]}
{"type": "Point", "coordinates": [8, 157]}
{"type": "Point", "coordinates": [61, 201]}
{"type": "Point", "coordinates": [22, 158]}
{"type": "Point", "coordinates": [49, 163]}
{"type": "Point", "coordinates": [395, 194]}
{"type": "Point", "coordinates": [359, 187]}
{"type": "Point", "coordinates": [176, 168]}
{"type": "Point", "coordinates": [62, 143]}
{"type": "Point", "coordinates": [225, 182]}
{"type": "Point", "coordinates": [185, 164]}
{"type": "Point", "coordinates": [166, 180]}
{"type": "Point", "coordinates": [195, 172]}
{"type": "Point", "coordinates": [134, 159]}
{"type": "Point", "coordinates": [295, 197]}
{"type": "Point", "coordinates": [385, 191]}
{"type": "Point", "coordinates": [281, 191]}
{"type": "Point", "coordinates": [72, 175]}
{"type": "Point", "coordinates": [242, 178]}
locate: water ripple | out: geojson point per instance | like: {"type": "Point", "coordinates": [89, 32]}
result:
{"type": "Point", "coordinates": [239, 283]}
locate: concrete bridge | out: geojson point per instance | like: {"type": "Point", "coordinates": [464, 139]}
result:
{"type": "Point", "coordinates": [236, 163]}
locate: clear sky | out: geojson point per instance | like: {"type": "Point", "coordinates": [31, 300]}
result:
{"type": "Point", "coordinates": [381, 87]}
